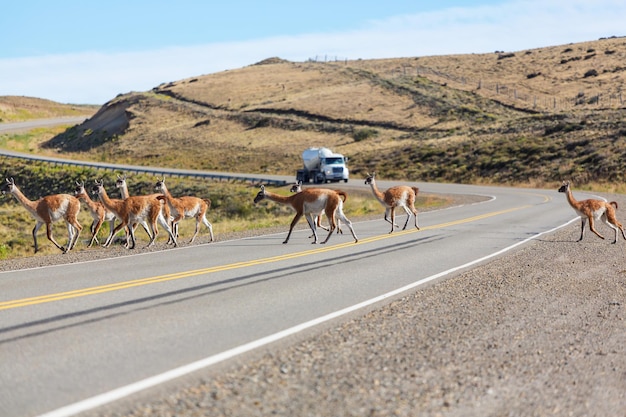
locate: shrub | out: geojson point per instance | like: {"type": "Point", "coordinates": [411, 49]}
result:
{"type": "Point", "coordinates": [4, 251]}
{"type": "Point", "coordinates": [363, 134]}
{"type": "Point", "coordinates": [591, 73]}
{"type": "Point", "coordinates": [503, 56]}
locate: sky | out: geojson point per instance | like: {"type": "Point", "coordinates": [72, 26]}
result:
{"type": "Point", "coordinates": [88, 52]}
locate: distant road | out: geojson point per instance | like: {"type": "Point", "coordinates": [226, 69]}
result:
{"type": "Point", "coordinates": [32, 124]}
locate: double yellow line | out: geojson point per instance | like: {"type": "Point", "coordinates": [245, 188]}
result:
{"type": "Point", "coordinates": [6, 305]}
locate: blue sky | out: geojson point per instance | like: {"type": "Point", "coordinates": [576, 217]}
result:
{"type": "Point", "coordinates": [81, 51]}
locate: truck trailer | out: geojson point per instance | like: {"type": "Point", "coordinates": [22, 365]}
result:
{"type": "Point", "coordinates": [322, 165]}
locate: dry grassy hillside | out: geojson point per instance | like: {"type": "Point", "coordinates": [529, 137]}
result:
{"type": "Point", "coordinates": [584, 75]}
{"type": "Point", "coordinates": [17, 108]}
{"type": "Point", "coordinates": [531, 116]}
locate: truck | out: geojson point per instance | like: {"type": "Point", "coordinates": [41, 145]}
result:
{"type": "Point", "coordinates": [322, 165]}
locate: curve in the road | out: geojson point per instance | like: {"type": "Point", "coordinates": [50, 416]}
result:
{"type": "Point", "coordinates": [125, 391]}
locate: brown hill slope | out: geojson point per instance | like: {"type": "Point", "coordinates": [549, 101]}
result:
{"type": "Point", "coordinates": [18, 108]}
{"type": "Point", "coordinates": [581, 75]}
{"type": "Point", "coordinates": [426, 118]}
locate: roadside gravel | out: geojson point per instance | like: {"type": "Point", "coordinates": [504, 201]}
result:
{"type": "Point", "coordinates": [540, 331]}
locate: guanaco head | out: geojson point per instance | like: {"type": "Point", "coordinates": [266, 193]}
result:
{"type": "Point", "coordinates": [80, 188]}
{"type": "Point", "coordinates": [160, 186]}
{"type": "Point", "coordinates": [9, 186]}
{"type": "Point", "coordinates": [370, 178]}
{"type": "Point", "coordinates": [98, 188]}
{"type": "Point", "coordinates": [260, 195]}
{"type": "Point", "coordinates": [296, 188]}
{"type": "Point", "coordinates": [121, 181]}
{"type": "Point", "coordinates": [565, 187]}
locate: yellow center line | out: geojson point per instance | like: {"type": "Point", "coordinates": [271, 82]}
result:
{"type": "Point", "coordinates": [5, 305]}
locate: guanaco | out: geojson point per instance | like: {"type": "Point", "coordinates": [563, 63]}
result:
{"type": "Point", "coordinates": [186, 207]}
{"type": "Point", "coordinates": [297, 187]}
{"type": "Point", "coordinates": [593, 210]}
{"type": "Point", "coordinates": [48, 210]}
{"type": "Point", "coordinates": [398, 196]}
{"type": "Point", "coordinates": [98, 212]}
{"type": "Point", "coordinates": [310, 202]}
{"type": "Point", "coordinates": [134, 210]}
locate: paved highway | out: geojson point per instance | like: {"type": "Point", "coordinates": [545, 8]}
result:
{"type": "Point", "coordinates": [76, 337]}
{"type": "Point", "coordinates": [32, 124]}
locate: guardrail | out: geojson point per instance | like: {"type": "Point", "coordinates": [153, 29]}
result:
{"type": "Point", "coordinates": [147, 170]}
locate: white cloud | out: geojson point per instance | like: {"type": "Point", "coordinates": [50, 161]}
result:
{"type": "Point", "coordinates": [522, 24]}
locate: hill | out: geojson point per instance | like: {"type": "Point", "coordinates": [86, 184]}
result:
{"type": "Point", "coordinates": [18, 108]}
{"type": "Point", "coordinates": [534, 116]}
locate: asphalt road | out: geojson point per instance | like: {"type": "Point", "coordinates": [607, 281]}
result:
{"type": "Point", "coordinates": [32, 124]}
{"type": "Point", "coordinates": [78, 336]}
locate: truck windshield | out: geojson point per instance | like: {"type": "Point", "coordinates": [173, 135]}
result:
{"type": "Point", "coordinates": [334, 161]}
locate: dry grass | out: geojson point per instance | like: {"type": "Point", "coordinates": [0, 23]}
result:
{"type": "Point", "coordinates": [548, 73]}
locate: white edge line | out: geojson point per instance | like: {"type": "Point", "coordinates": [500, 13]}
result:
{"type": "Point", "coordinates": [125, 391]}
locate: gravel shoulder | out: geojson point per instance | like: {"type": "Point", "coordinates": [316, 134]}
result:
{"type": "Point", "coordinates": [539, 331]}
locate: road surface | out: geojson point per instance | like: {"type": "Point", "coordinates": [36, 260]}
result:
{"type": "Point", "coordinates": [79, 336]}
{"type": "Point", "coordinates": [32, 124]}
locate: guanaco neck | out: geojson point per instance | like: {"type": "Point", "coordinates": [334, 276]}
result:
{"type": "Point", "coordinates": [166, 192]}
{"type": "Point", "coordinates": [124, 190]}
{"type": "Point", "coordinates": [380, 196]}
{"type": "Point", "coordinates": [106, 201]}
{"type": "Point", "coordinates": [571, 200]}
{"type": "Point", "coordinates": [93, 206]}
{"type": "Point", "coordinates": [23, 200]}
{"type": "Point", "coordinates": [279, 198]}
